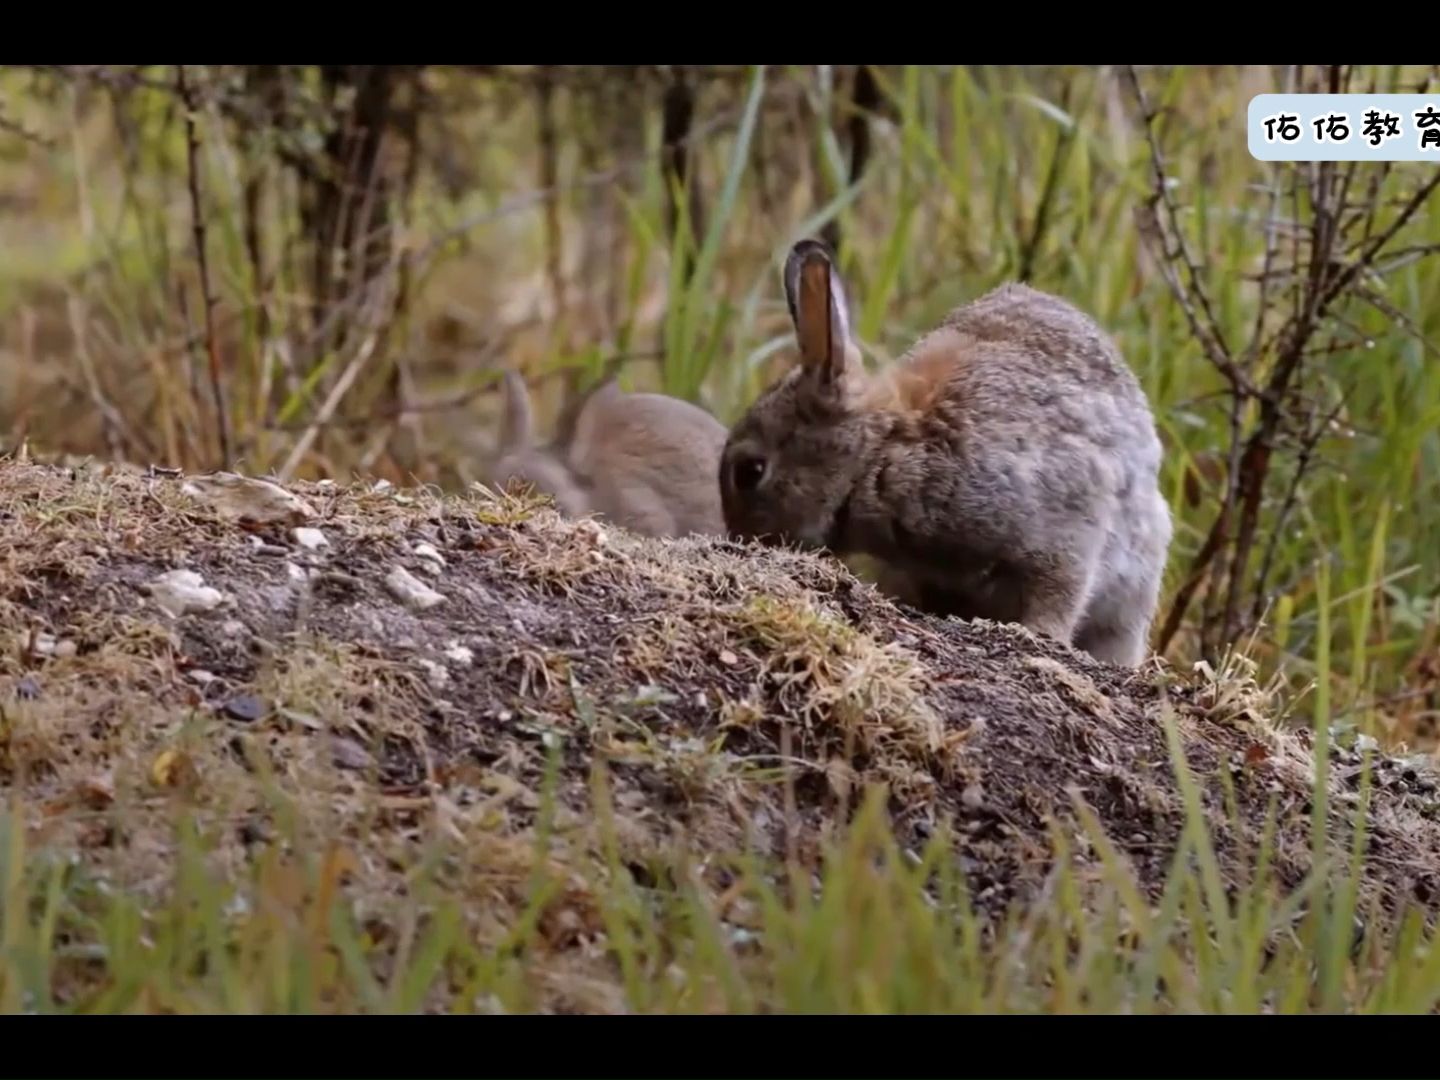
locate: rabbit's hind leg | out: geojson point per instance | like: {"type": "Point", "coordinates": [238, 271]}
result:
{"type": "Point", "coordinates": [1113, 643]}
{"type": "Point", "coordinates": [1116, 627]}
{"type": "Point", "coordinates": [1053, 589]}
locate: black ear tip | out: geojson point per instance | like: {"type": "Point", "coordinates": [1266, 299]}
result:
{"type": "Point", "coordinates": [802, 253]}
{"type": "Point", "coordinates": [810, 249]}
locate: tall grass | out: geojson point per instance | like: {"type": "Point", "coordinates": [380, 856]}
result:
{"type": "Point", "coordinates": [872, 928]}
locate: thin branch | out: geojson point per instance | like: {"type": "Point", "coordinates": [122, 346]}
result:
{"type": "Point", "coordinates": [1351, 272]}
{"type": "Point", "coordinates": [197, 213]}
{"type": "Point", "coordinates": [332, 402]}
{"type": "Point", "coordinates": [20, 131]}
{"type": "Point", "coordinates": [1311, 440]}
{"type": "Point", "coordinates": [1390, 311]}
{"type": "Point", "coordinates": [1207, 332]}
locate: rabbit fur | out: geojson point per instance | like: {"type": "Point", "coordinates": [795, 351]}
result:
{"type": "Point", "coordinates": [1005, 467]}
{"type": "Point", "coordinates": [646, 462]}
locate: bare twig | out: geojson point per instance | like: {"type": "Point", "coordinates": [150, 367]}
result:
{"type": "Point", "coordinates": [1206, 329]}
{"type": "Point", "coordinates": [117, 431]}
{"type": "Point", "coordinates": [1310, 266]}
{"type": "Point", "coordinates": [1302, 463]}
{"type": "Point", "coordinates": [1343, 279]}
{"type": "Point", "coordinates": [1199, 569]}
{"type": "Point", "coordinates": [332, 402]}
{"type": "Point", "coordinates": [197, 213]}
{"type": "Point", "coordinates": [20, 131]}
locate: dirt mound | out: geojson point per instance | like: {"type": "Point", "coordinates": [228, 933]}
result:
{"type": "Point", "coordinates": [400, 665]}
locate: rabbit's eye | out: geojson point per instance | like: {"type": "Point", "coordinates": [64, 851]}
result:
{"type": "Point", "coordinates": [747, 472]}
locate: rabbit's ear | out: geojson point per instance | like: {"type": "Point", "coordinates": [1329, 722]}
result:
{"type": "Point", "coordinates": [816, 298]}
{"type": "Point", "coordinates": [586, 432]}
{"type": "Point", "coordinates": [518, 428]}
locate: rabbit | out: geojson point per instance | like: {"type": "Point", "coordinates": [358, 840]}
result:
{"type": "Point", "coordinates": [644, 461]}
{"type": "Point", "coordinates": [1005, 467]}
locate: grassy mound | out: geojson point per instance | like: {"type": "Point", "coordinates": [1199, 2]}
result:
{"type": "Point", "coordinates": [545, 764]}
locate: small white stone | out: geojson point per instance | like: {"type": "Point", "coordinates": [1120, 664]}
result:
{"type": "Point", "coordinates": [298, 574]}
{"type": "Point", "coordinates": [437, 675]}
{"type": "Point", "coordinates": [591, 532]}
{"type": "Point", "coordinates": [349, 754]}
{"type": "Point", "coordinates": [180, 592]}
{"type": "Point", "coordinates": [201, 676]}
{"type": "Point", "coordinates": [41, 645]}
{"type": "Point", "coordinates": [411, 591]}
{"type": "Point", "coordinates": [428, 552]}
{"type": "Point", "coordinates": [309, 538]}
{"type": "Point", "coordinates": [459, 654]}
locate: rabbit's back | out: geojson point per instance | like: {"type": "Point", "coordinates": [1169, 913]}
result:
{"type": "Point", "coordinates": [654, 465]}
{"type": "Point", "coordinates": [1054, 432]}
{"type": "Point", "coordinates": [1021, 374]}
{"type": "Point", "coordinates": [1046, 379]}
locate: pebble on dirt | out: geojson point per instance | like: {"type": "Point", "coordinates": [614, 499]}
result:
{"type": "Point", "coordinates": [411, 591]}
{"type": "Point", "coordinates": [179, 592]}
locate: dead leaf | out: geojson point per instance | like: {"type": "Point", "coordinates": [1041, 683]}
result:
{"type": "Point", "coordinates": [98, 834]}
{"type": "Point", "coordinates": [1256, 753]}
{"type": "Point", "coordinates": [340, 863]}
{"type": "Point", "coordinates": [1076, 686]}
{"type": "Point", "coordinates": [97, 792]}
{"type": "Point", "coordinates": [173, 768]}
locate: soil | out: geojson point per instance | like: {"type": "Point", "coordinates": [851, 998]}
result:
{"type": "Point", "coordinates": [697, 671]}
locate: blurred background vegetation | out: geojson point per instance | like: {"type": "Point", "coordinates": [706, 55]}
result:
{"type": "Point", "coordinates": [321, 270]}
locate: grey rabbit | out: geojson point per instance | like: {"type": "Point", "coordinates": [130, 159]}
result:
{"type": "Point", "coordinates": [1005, 467]}
{"type": "Point", "coordinates": [646, 462]}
